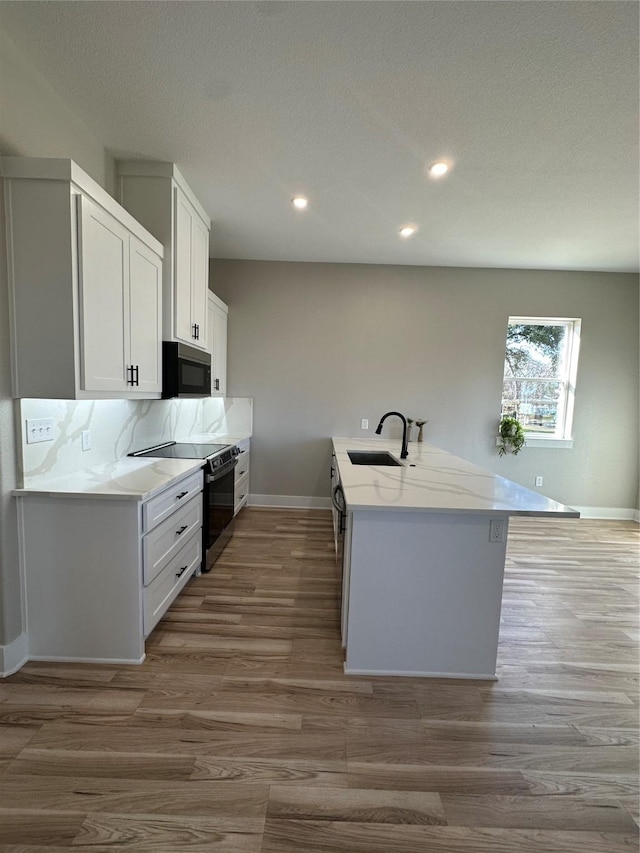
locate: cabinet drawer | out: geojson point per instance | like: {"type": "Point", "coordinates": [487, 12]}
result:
{"type": "Point", "coordinates": [241, 493]}
{"type": "Point", "coordinates": [158, 508]}
{"type": "Point", "coordinates": [165, 588]}
{"type": "Point", "coordinates": [242, 468]}
{"type": "Point", "coordinates": [165, 540]}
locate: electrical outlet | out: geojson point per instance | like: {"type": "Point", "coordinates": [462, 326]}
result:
{"type": "Point", "coordinates": [497, 528]}
{"type": "Point", "coordinates": [538, 481]}
{"type": "Point", "coordinates": [86, 439]}
{"type": "Point", "coordinates": [364, 423]}
{"type": "Point", "coordinates": [39, 429]}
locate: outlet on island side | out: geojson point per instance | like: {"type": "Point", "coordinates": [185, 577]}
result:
{"type": "Point", "coordinates": [497, 529]}
{"type": "Point", "coordinates": [86, 439]}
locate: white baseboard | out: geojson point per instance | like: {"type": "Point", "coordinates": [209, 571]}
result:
{"type": "Point", "coordinates": [65, 659]}
{"type": "Point", "coordinates": [614, 513]}
{"type": "Point", "coordinates": [14, 655]}
{"type": "Point", "coordinates": [290, 501]}
{"type": "Point", "coordinates": [467, 676]}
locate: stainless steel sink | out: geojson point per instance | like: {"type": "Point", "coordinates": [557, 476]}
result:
{"type": "Point", "coordinates": [371, 457]}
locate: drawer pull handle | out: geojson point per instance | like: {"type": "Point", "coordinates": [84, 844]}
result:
{"type": "Point", "coordinates": [182, 529]}
{"type": "Point", "coordinates": [181, 495]}
{"type": "Point", "coordinates": [182, 571]}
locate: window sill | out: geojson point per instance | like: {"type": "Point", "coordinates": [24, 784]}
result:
{"type": "Point", "coordinates": [543, 441]}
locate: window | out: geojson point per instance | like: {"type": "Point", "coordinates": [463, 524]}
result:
{"type": "Point", "coordinates": [540, 367]}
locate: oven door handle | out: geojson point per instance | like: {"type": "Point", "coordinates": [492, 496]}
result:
{"type": "Point", "coordinates": [220, 473]}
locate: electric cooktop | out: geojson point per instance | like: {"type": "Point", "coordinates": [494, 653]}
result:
{"type": "Point", "coordinates": [183, 450]}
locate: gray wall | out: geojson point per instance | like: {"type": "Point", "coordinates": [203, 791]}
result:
{"type": "Point", "coordinates": [320, 346]}
{"type": "Point", "coordinates": [35, 123]}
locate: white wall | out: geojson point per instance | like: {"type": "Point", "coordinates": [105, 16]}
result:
{"type": "Point", "coordinates": [320, 346]}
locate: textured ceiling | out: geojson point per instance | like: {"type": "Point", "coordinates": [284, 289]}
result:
{"type": "Point", "coordinates": [535, 104]}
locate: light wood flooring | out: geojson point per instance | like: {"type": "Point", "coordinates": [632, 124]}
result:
{"type": "Point", "coordinates": [241, 733]}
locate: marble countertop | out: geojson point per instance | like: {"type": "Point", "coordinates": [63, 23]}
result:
{"type": "Point", "coordinates": [132, 478]}
{"type": "Point", "coordinates": [433, 480]}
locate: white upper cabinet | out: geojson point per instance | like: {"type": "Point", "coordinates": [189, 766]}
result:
{"type": "Point", "coordinates": [217, 326]}
{"type": "Point", "coordinates": [159, 197]}
{"type": "Point", "coordinates": [85, 284]}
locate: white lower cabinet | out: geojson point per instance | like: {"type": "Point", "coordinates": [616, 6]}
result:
{"type": "Point", "coordinates": [165, 587]}
{"type": "Point", "coordinates": [100, 572]}
{"type": "Point", "coordinates": [242, 472]}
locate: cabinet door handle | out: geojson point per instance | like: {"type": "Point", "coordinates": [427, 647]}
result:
{"type": "Point", "coordinates": [217, 384]}
{"type": "Point", "coordinates": [182, 530]}
{"type": "Point", "coordinates": [137, 375]}
{"type": "Point", "coordinates": [181, 495]}
{"type": "Point", "coordinates": [182, 571]}
{"type": "Point", "coordinates": [129, 374]}
{"type": "Point", "coordinates": [240, 474]}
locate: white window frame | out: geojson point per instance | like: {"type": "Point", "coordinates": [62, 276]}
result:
{"type": "Point", "coordinates": [563, 435]}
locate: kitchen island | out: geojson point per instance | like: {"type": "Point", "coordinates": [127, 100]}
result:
{"type": "Point", "coordinates": [424, 554]}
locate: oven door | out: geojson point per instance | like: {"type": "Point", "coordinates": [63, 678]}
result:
{"type": "Point", "coordinates": [218, 516]}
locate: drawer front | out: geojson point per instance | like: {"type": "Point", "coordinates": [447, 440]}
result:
{"type": "Point", "coordinates": [165, 588]}
{"type": "Point", "coordinates": [160, 507]}
{"type": "Point", "coordinates": [241, 493]}
{"type": "Point", "coordinates": [165, 540]}
{"type": "Point", "coordinates": [242, 468]}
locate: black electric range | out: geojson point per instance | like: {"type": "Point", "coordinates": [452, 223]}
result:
{"type": "Point", "coordinates": [219, 462]}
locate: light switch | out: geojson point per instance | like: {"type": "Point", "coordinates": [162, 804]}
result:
{"type": "Point", "coordinates": [39, 429]}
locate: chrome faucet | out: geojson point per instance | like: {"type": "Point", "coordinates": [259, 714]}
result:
{"type": "Point", "coordinates": [404, 452]}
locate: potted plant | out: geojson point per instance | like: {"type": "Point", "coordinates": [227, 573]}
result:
{"type": "Point", "coordinates": [420, 423]}
{"type": "Point", "coordinates": [511, 435]}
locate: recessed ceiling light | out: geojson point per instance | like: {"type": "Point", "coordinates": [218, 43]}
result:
{"type": "Point", "coordinates": [407, 230]}
{"type": "Point", "coordinates": [300, 202]}
{"type": "Point", "coordinates": [437, 170]}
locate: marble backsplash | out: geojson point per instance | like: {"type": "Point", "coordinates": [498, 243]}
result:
{"type": "Point", "coordinates": [119, 427]}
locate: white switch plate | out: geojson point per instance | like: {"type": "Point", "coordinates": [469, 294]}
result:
{"type": "Point", "coordinates": [39, 429]}
{"type": "Point", "coordinates": [364, 423]}
{"type": "Point", "coordinates": [86, 439]}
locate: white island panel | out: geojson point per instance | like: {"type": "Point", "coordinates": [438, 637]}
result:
{"type": "Point", "coordinates": [425, 591]}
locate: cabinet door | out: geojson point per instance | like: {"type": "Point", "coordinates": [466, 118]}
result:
{"type": "Point", "coordinates": [182, 273]}
{"type": "Point", "coordinates": [103, 273]}
{"type": "Point", "coordinates": [200, 279]}
{"type": "Point", "coordinates": [217, 331]}
{"type": "Point", "coordinates": [145, 305]}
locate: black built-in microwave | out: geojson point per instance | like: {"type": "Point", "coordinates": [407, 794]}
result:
{"type": "Point", "coordinates": [186, 371]}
